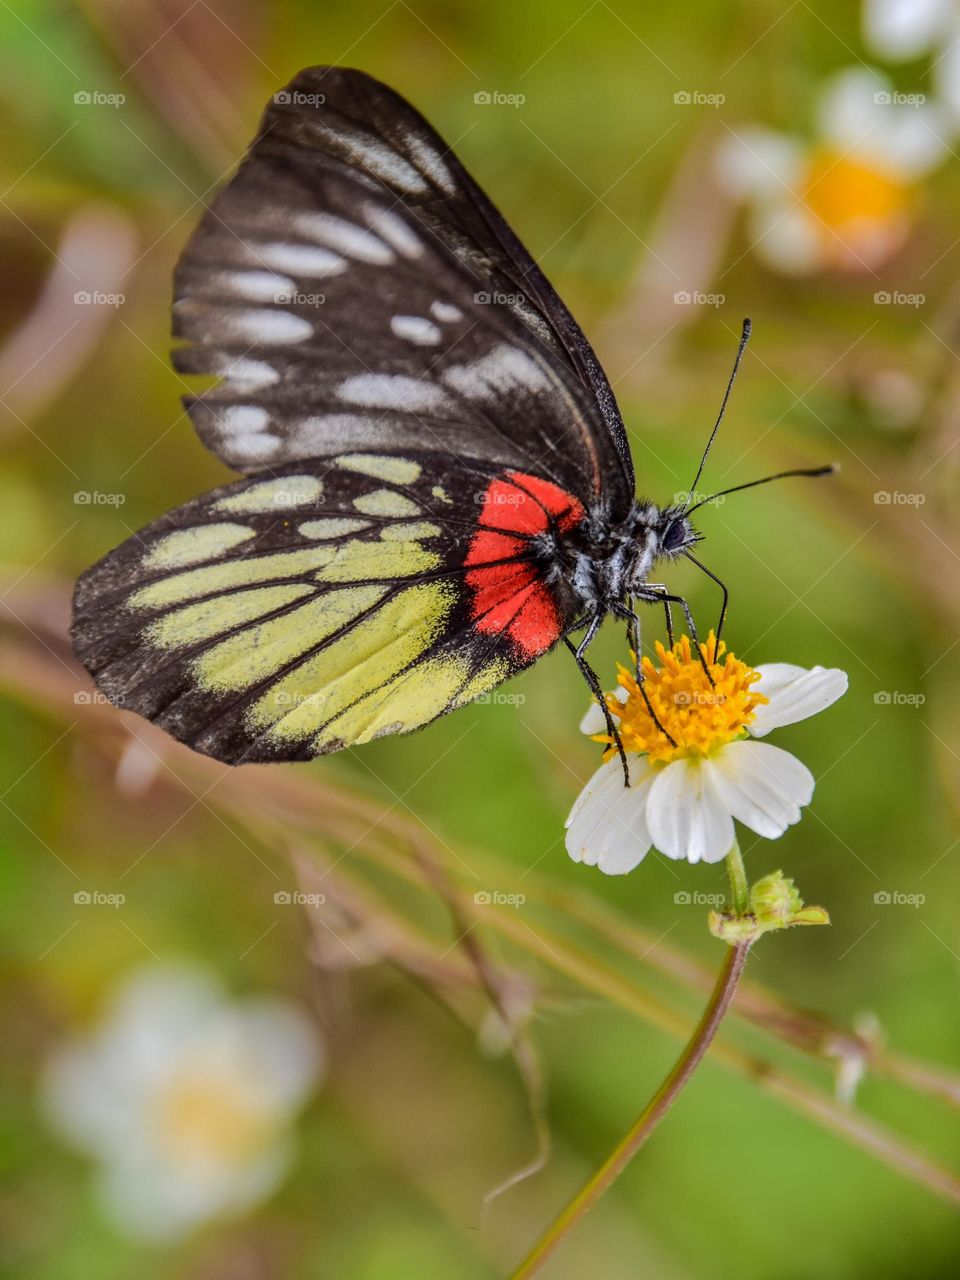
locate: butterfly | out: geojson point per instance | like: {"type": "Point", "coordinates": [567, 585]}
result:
{"type": "Point", "coordinates": [436, 486]}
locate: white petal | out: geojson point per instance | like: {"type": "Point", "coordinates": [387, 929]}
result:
{"type": "Point", "coordinates": [795, 693]}
{"type": "Point", "coordinates": [606, 827]}
{"type": "Point", "coordinates": [898, 30]}
{"type": "Point", "coordinates": [788, 237]}
{"type": "Point", "coordinates": [849, 108]}
{"type": "Point", "coordinates": [758, 163]}
{"type": "Point", "coordinates": [593, 720]}
{"type": "Point", "coordinates": [686, 817]}
{"type": "Point", "coordinates": [947, 70]}
{"type": "Point", "coordinates": [861, 116]}
{"type": "Point", "coordinates": [762, 786]}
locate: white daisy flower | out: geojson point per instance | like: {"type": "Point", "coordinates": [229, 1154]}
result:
{"type": "Point", "coordinates": [685, 795]}
{"type": "Point", "coordinates": [843, 200]}
{"type": "Point", "coordinates": [184, 1098]}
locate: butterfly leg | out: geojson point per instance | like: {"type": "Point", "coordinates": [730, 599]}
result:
{"type": "Point", "coordinates": [633, 623]}
{"type": "Point", "coordinates": [593, 681]}
{"type": "Point", "coordinates": [691, 627]}
{"type": "Point", "coordinates": [721, 585]}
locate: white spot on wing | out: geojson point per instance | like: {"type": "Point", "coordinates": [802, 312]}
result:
{"type": "Point", "coordinates": [415, 329]}
{"type": "Point", "coordinates": [243, 419]}
{"type": "Point", "coordinates": [301, 259]}
{"type": "Point", "coordinates": [252, 448]}
{"type": "Point", "coordinates": [247, 375]}
{"type": "Point", "coordinates": [256, 286]}
{"type": "Point", "coordinates": [446, 312]}
{"type": "Point", "coordinates": [345, 237]}
{"type": "Point", "coordinates": [431, 163]}
{"type": "Point", "coordinates": [503, 370]}
{"type": "Point", "coordinates": [394, 230]}
{"type": "Point", "coordinates": [274, 328]}
{"type": "Point", "coordinates": [393, 391]}
{"type": "Point", "coordinates": [380, 160]}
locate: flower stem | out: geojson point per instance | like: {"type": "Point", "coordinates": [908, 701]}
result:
{"type": "Point", "coordinates": [652, 1114]}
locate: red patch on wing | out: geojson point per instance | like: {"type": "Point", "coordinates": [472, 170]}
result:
{"type": "Point", "coordinates": [509, 597]}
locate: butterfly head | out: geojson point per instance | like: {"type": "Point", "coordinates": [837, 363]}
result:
{"type": "Point", "coordinates": [674, 533]}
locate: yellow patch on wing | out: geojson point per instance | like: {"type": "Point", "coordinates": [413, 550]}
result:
{"type": "Point", "coordinates": [214, 578]}
{"type": "Point", "coordinates": [412, 699]}
{"type": "Point", "coordinates": [441, 494]}
{"type": "Point", "coordinates": [410, 531]}
{"type": "Point", "coordinates": [191, 546]}
{"type": "Point", "coordinates": [378, 648]}
{"type": "Point", "coordinates": [259, 652]}
{"type": "Point", "coordinates": [385, 502]}
{"type": "Point", "coordinates": [381, 467]}
{"type": "Point", "coordinates": [273, 495]}
{"type": "Point", "coordinates": [195, 622]}
{"type": "Point", "coordinates": [484, 680]}
{"type": "Point", "coordinates": [331, 527]}
{"type": "Point", "coordinates": [355, 560]}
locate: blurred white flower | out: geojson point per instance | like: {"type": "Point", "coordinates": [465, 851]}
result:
{"type": "Point", "coordinates": [684, 795]}
{"type": "Point", "coordinates": [185, 1099]}
{"type": "Point", "coordinates": [843, 200]}
{"type": "Point", "coordinates": [900, 30]}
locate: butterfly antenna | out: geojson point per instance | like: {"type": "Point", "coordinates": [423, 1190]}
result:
{"type": "Point", "coordinates": [744, 339]}
{"type": "Point", "coordinates": [829, 470]}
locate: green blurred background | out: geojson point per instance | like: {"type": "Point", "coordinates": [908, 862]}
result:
{"type": "Point", "coordinates": [610, 183]}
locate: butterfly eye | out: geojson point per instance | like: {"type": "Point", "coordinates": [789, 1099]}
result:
{"type": "Point", "coordinates": [674, 535]}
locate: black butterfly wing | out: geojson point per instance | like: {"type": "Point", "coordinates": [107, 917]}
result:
{"type": "Point", "coordinates": [353, 287]}
{"type": "Point", "coordinates": [326, 604]}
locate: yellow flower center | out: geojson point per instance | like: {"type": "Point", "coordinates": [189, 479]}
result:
{"type": "Point", "coordinates": [858, 206]}
{"type": "Point", "coordinates": [698, 715]}
{"type": "Point", "coordinates": [205, 1117]}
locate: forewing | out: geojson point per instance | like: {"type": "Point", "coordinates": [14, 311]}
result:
{"type": "Point", "coordinates": [283, 617]}
{"type": "Point", "coordinates": [352, 287]}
